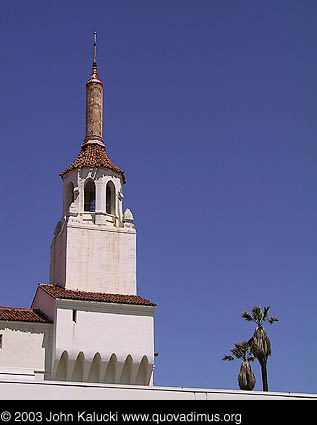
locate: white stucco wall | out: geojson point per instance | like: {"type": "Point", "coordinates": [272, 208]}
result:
{"type": "Point", "coordinates": [124, 332]}
{"type": "Point", "coordinates": [89, 339]}
{"type": "Point", "coordinates": [44, 302]}
{"type": "Point", "coordinates": [101, 260]}
{"type": "Point", "coordinates": [58, 257]}
{"type": "Point", "coordinates": [95, 258]}
{"type": "Point", "coordinates": [26, 349]}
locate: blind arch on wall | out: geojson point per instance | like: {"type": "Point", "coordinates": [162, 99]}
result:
{"type": "Point", "coordinates": [62, 367]}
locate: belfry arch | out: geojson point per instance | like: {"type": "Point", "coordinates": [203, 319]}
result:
{"type": "Point", "coordinates": [110, 198]}
{"type": "Point", "coordinates": [90, 196]}
{"type": "Point", "coordinates": [69, 196]}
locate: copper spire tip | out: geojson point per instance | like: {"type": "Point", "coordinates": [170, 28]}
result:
{"type": "Point", "coordinates": [94, 74]}
{"type": "Point", "coordinates": [95, 46]}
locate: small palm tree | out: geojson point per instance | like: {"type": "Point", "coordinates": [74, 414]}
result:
{"type": "Point", "coordinates": [246, 378]}
{"type": "Point", "coordinates": [260, 344]}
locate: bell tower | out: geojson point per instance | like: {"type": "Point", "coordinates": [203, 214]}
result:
{"type": "Point", "coordinates": [94, 244]}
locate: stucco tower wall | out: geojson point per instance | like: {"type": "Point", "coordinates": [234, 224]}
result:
{"type": "Point", "coordinates": [58, 258]}
{"type": "Point", "coordinates": [101, 260]}
{"type": "Point", "coordinates": [94, 258]}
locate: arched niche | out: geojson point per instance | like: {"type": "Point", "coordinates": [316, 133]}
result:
{"type": "Point", "coordinates": [94, 370]}
{"type": "Point", "coordinates": [78, 370]}
{"type": "Point", "coordinates": [126, 371]}
{"type": "Point", "coordinates": [110, 374]}
{"type": "Point", "coordinates": [141, 376]}
{"type": "Point", "coordinates": [61, 371]}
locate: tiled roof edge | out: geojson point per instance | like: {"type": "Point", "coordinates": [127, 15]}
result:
{"type": "Point", "coordinates": [22, 314]}
{"type": "Point", "coordinates": [74, 294]}
{"type": "Point", "coordinates": [80, 160]}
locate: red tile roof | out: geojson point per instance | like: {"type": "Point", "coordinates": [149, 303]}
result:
{"type": "Point", "coordinates": [93, 155]}
{"type": "Point", "coordinates": [22, 315]}
{"type": "Point", "coordinates": [59, 292]}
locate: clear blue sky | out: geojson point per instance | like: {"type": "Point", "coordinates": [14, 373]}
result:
{"type": "Point", "coordinates": [210, 109]}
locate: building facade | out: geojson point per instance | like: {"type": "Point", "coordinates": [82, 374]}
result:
{"type": "Point", "coordinates": [88, 324]}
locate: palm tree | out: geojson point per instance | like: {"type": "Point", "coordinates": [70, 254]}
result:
{"type": "Point", "coordinates": [260, 344]}
{"type": "Point", "coordinates": [246, 377]}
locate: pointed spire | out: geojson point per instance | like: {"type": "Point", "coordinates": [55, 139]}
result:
{"type": "Point", "coordinates": [94, 100]}
{"type": "Point", "coordinates": [93, 151]}
{"type": "Point", "coordinates": [95, 48]}
{"type": "Point", "coordinates": [94, 78]}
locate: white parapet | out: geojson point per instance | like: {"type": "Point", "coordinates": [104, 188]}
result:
{"type": "Point", "coordinates": [50, 390]}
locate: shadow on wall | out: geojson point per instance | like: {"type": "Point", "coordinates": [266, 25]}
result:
{"type": "Point", "coordinates": [98, 371]}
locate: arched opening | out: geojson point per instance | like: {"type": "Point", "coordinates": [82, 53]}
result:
{"type": "Point", "coordinates": [110, 198]}
{"type": "Point", "coordinates": [110, 374]}
{"type": "Point", "coordinates": [78, 368]}
{"type": "Point", "coordinates": [69, 196]}
{"type": "Point", "coordinates": [62, 367]}
{"type": "Point", "coordinates": [126, 371]}
{"type": "Point", "coordinates": [142, 372]}
{"type": "Point", "coordinates": [90, 196]}
{"type": "Point", "coordinates": [93, 375]}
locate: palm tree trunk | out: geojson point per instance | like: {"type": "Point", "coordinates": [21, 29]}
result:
{"type": "Point", "coordinates": [264, 375]}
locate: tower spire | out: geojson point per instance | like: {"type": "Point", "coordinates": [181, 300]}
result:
{"type": "Point", "coordinates": [95, 47]}
{"type": "Point", "coordinates": [94, 100]}
{"type": "Point", "coordinates": [94, 74]}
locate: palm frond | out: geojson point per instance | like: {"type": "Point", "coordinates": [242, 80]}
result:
{"type": "Point", "coordinates": [229, 358]}
{"type": "Point", "coordinates": [240, 350]}
{"type": "Point", "coordinates": [246, 316]}
{"type": "Point", "coordinates": [265, 312]}
{"type": "Point", "coordinates": [272, 319]}
{"type": "Point", "coordinates": [257, 314]}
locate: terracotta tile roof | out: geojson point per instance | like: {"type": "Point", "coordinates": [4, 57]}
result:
{"type": "Point", "coordinates": [22, 315]}
{"type": "Point", "coordinates": [93, 155]}
{"type": "Point", "coordinates": [59, 292]}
